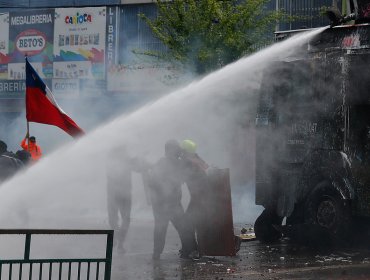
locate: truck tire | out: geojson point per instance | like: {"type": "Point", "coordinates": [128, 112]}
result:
{"type": "Point", "coordinates": [325, 209]}
{"type": "Point", "coordinates": [264, 229]}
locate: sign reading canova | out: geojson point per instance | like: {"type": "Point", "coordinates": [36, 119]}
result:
{"type": "Point", "coordinates": [79, 43]}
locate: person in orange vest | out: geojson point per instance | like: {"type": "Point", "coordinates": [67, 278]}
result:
{"type": "Point", "coordinates": [32, 147]}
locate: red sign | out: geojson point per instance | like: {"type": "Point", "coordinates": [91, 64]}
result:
{"type": "Point", "coordinates": [216, 229]}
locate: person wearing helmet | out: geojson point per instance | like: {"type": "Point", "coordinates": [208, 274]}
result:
{"type": "Point", "coordinates": [189, 149]}
{"type": "Point", "coordinates": [195, 172]}
{"type": "Point", "coordinates": [165, 189]}
{"type": "Point", "coordinates": [189, 146]}
{"type": "Point", "coordinates": [32, 147]}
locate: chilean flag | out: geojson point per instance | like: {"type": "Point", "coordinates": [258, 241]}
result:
{"type": "Point", "coordinates": [41, 106]}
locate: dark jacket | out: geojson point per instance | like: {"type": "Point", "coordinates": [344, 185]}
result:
{"type": "Point", "coordinates": [195, 173]}
{"type": "Point", "coordinates": [9, 165]}
{"type": "Point", "coordinates": [165, 180]}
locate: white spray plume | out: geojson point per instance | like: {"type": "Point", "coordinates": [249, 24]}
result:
{"type": "Point", "coordinates": [67, 188]}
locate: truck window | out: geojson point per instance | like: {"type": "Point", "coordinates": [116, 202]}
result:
{"type": "Point", "coordinates": [285, 85]}
{"type": "Point", "coordinates": [358, 100]}
{"type": "Point", "coordinates": [359, 128]}
{"type": "Point", "coordinates": [357, 91]}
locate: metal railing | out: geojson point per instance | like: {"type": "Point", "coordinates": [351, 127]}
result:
{"type": "Point", "coordinates": [44, 267]}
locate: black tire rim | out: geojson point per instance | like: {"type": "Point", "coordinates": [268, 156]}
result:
{"type": "Point", "coordinates": [326, 213]}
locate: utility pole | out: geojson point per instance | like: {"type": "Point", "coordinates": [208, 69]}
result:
{"type": "Point", "coordinates": [277, 5]}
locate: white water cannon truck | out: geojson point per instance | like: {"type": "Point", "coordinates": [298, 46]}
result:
{"type": "Point", "coordinates": [313, 133]}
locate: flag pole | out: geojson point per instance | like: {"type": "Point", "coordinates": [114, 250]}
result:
{"type": "Point", "coordinates": [28, 124]}
{"type": "Point", "coordinates": [28, 131]}
{"type": "Point", "coordinates": [28, 136]}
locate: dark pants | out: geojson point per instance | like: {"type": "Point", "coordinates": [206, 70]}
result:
{"type": "Point", "coordinates": [194, 214]}
{"type": "Point", "coordinates": [164, 212]}
{"type": "Point", "coordinates": [119, 205]}
{"type": "Point", "coordinates": [196, 211]}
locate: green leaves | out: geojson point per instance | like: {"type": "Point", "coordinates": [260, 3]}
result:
{"type": "Point", "coordinates": [207, 34]}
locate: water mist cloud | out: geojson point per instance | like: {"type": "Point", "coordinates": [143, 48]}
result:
{"type": "Point", "coordinates": [67, 188]}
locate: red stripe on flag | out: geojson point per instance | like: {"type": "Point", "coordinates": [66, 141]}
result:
{"type": "Point", "coordinates": [39, 109]}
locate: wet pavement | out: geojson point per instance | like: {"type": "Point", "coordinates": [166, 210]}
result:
{"type": "Point", "coordinates": [281, 260]}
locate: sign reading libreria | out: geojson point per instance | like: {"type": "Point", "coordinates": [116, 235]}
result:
{"type": "Point", "coordinates": [79, 43]}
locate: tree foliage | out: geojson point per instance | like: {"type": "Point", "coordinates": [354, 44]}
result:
{"type": "Point", "coordinates": [207, 34]}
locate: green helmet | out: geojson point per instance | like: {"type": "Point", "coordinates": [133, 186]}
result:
{"type": "Point", "coordinates": [189, 146]}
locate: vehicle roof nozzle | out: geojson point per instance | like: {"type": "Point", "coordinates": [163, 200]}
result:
{"type": "Point", "coordinates": [334, 16]}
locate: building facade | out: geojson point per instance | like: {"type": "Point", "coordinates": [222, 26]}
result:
{"type": "Point", "coordinates": [124, 30]}
{"type": "Point", "coordinates": [88, 58]}
{"type": "Point", "coordinates": [78, 47]}
{"type": "Point", "coordinates": [308, 13]}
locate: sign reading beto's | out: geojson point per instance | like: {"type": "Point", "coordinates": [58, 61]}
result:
{"type": "Point", "coordinates": [30, 42]}
{"type": "Point", "coordinates": [31, 33]}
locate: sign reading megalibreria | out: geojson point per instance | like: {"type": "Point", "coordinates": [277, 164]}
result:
{"type": "Point", "coordinates": [24, 33]}
{"type": "Point", "coordinates": [31, 34]}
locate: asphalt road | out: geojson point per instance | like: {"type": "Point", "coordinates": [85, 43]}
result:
{"type": "Point", "coordinates": [282, 260]}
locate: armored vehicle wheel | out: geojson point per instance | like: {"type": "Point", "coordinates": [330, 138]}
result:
{"type": "Point", "coordinates": [264, 229]}
{"type": "Point", "coordinates": [326, 209]}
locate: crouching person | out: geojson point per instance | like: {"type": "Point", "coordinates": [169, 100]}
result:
{"type": "Point", "coordinates": [9, 164]}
